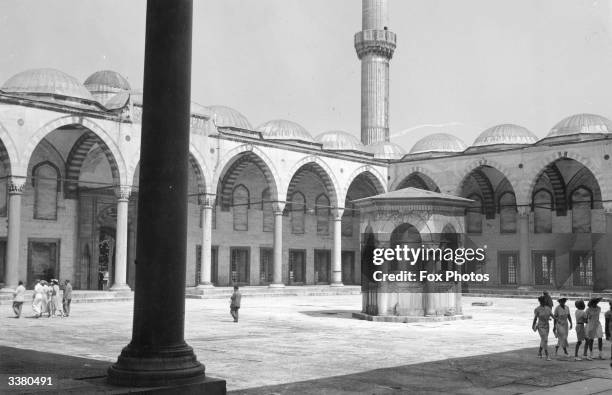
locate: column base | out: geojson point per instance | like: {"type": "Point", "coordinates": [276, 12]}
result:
{"type": "Point", "coordinates": [205, 286]}
{"type": "Point", "coordinates": [159, 366]}
{"type": "Point", "coordinates": [120, 288]}
{"type": "Point", "coordinates": [281, 285]}
{"type": "Point", "coordinates": [336, 284]}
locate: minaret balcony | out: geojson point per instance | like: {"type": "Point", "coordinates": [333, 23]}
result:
{"type": "Point", "coordinates": [379, 42]}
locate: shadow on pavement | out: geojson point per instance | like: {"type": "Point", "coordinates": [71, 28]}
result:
{"type": "Point", "coordinates": [513, 372]}
{"type": "Point", "coordinates": [331, 313]}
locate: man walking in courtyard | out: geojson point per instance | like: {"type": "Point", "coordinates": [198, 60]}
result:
{"type": "Point", "coordinates": [67, 298]}
{"type": "Point", "coordinates": [18, 299]}
{"type": "Point", "coordinates": [235, 303]}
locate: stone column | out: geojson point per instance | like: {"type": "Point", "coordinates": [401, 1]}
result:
{"type": "Point", "coordinates": [123, 198]}
{"type": "Point", "coordinates": [277, 270]}
{"type": "Point", "coordinates": [525, 269]}
{"type": "Point", "coordinates": [15, 187]}
{"type": "Point", "coordinates": [608, 244]}
{"type": "Point", "coordinates": [158, 354]}
{"type": "Point", "coordinates": [337, 250]}
{"type": "Point", "coordinates": [208, 204]}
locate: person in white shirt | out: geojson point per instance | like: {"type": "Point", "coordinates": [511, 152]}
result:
{"type": "Point", "coordinates": [18, 299]}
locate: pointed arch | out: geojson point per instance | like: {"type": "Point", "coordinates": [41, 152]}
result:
{"type": "Point", "coordinates": [372, 174]}
{"type": "Point", "coordinates": [319, 167]}
{"type": "Point", "coordinates": [434, 177]}
{"type": "Point", "coordinates": [418, 180]}
{"type": "Point", "coordinates": [9, 155]}
{"type": "Point", "coordinates": [236, 159]}
{"type": "Point", "coordinates": [117, 161]}
{"type": "Point", "coordinates": [77, 156]}
{"type": "Point", "coordinates": [536, 170]}
{"type": "Point", "coordinates": [512, 178]}
{"type": "Point", "coordinates": [195, 160]}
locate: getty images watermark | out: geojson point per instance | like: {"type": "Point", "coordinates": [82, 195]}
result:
{"type": "Point", "coordinates": [404, 255]}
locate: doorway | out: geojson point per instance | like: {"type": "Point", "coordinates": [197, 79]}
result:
{"type": "Point", "coordinates": [322, 266]}
{"type": "Point", "coordinates": [43, 259]}
{"type": "Point", "coordinates": [240, 265]}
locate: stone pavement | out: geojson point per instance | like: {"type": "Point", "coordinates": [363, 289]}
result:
{"type": "Point", "coordinates": [311, 345]}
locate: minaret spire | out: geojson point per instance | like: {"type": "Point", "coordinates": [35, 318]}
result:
{"type": "Point", "coordinates": [374, 45]}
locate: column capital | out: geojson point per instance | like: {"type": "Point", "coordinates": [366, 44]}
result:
{"type": "Point", "coordinates": [123, 192]}
{"type": "Point", "coordinates": [523, 211]}
{"type": "Point", "coordinates": [278, 207]}
{"type": "Point", "coordinates": [207, 200]}
{"type": "Point", "coordinates": [15, 185]}
{"type": "Point", "coordinates": [337, 213]}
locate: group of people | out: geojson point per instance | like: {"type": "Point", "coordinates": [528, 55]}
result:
{"type": "Point", "coordinates": [588, 326]}
{"type": "Point", "coordinates": [46, 299]}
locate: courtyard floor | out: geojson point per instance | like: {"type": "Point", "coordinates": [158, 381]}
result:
{"type": "Point", "coordinates": [312, 345]}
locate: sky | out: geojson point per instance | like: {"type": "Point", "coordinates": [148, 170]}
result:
{"type": "Point", "coordinates": [463, 65]}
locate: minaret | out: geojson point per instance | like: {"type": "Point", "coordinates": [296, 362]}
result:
{"type": "Point", "coordinates": [375, 45]}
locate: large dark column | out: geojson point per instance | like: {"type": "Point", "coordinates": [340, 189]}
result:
{"type": "Point", "coordinates": [158, 354]}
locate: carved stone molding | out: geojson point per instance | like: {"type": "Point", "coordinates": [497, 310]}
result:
{"type": "Point", "coordinates": [123, 192]}
{"type": "Point", "coordinates": [377, 42]}
{"type": "Point", "coordinates": [15, 185]}
{"type": "Point", "coordinates": [207, 200]}
{"type": "Point", "coordinates": [278, 208]}
{"type": "Point", "coordinates": [523, 211]}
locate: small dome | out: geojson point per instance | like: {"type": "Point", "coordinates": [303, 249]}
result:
{"type": "Point", "coordinates": [224, 116]}
{"type": "Point", "coordinates": [438, 142]}
{"type": "Point", "coordinates": [505, 134]}
{"type": "Point", "coordinates": [386, 150]}
{"type": "Point", "coordinates": [339, 140]}
{"type": "Point", "coordinates": [106, 80]}
{"type": "Point", "coordinates": [46, 82]}
{"type": "Point", "coordinates": [118, 100]}
{"type": "Point", "coordinates": [581, 124]}
{"type": "Point", "coordinates": [280, 129]}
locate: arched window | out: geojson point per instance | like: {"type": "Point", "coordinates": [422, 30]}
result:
{"type": "Point", "coordinates": [297, 208]}
{"type": "Point", "coordinates": [46, 185]}
{"type": "Point", "coordinates": [582, 203]}
{"type": "Point", "coordinates": [507, 213]}
{"type": "Point", "coordinates": [542, 211]}
{"type": "Point", "coordinates": [323, 212]}
{"type": "Point", "coordinates": [240, 207]}
{"type": "Point", "coordinates": [266, 211]}
{"type": "Point", "coordinates": [473, 218]}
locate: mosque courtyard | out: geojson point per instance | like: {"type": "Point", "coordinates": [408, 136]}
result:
{"type": "Point", "coordinates": [310, 344]}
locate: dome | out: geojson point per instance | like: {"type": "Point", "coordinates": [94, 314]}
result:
{"type": "Point", "coordinates": [386, 150]}
{"type": "Point", "coordinates": [340, 141]}
{"type": "Point", "coordinates": [505, 134]}
{"type": "Point", "coordinates": [438, 142]}
{"type": "Point", "coordinates": [106, 80]}
{"type": "Point", "coordinates": [581, 124]}
{"type": "Point", "coordinates": [224, 116]}
{"type": "Point", "coordinates": [280, 129]}
{"type": "Point", "coordinates": [46, 82]}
